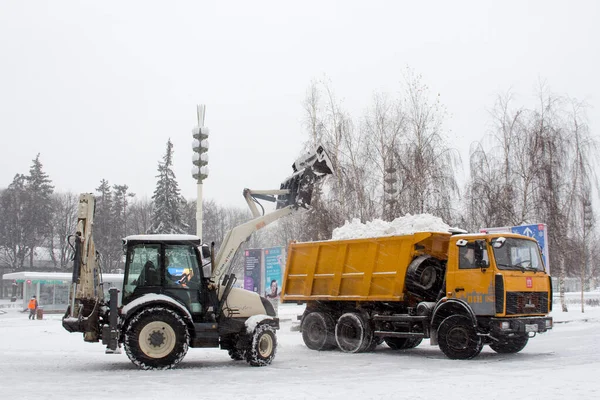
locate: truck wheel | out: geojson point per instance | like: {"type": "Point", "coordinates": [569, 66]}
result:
{"type": "Point", "coordinates": [412, 343]}
{"type": "Point", "coordinates": [156, 338]}
{"type": "Point", "coordinates": [375, 341]}
{"type": "Point", "coordinates": [352, 333]}
{"type": "Point", "coordinates": [458, 338]}
{"type": "Point", "coordinates": [263, 346]}
{"type": "Point", "coordinates": [509, 346]}
{"type": "Point", "coordinates": [318, 331]}
{"type": "Point", "coordinates": [396, 343]}
{"type": "Point", "coordinates": [402, 343]}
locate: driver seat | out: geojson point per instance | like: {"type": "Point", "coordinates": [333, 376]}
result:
{"type": "Point", "coordinates": [151, 275]}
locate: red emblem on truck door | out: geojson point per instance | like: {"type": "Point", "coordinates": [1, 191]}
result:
{"type": "Point", "coordinates": [529, 282]}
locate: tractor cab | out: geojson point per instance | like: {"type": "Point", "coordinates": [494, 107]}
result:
{"type": "Point", "coordinates": [170, 265]}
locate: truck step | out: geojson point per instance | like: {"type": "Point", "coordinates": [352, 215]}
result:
{"type": "Point", "coordinates": [399, 334]}
{"type": "Point", "coordinates": [400, 318]}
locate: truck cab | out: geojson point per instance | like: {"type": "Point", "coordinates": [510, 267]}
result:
{"type": "Point", "coordinates": [498, 275]}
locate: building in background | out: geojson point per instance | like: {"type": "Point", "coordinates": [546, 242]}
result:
{"type": "Point", "coordinates": [50, 288]}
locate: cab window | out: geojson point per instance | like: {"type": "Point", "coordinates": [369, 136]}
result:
{"type": "Point", "coordinates": [143, 267]}
{"type": "Point", "coordinates": [472, 256]}
{"type": "Point", "coordinates": [181, 266]}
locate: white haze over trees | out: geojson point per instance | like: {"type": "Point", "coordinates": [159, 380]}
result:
{"type": "Point", "coordinates": [535, 166]}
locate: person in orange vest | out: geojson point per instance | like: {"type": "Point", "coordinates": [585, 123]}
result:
{"type": "Point", "coordinates": [32, 306]}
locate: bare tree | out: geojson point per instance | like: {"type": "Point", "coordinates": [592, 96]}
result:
{"type": "Point", "coordinates": [64, 221]}
{"type": "Point", "coordinates": [426, 163]}
{"type": "Point", "coordinates": [139, 216]}
{"type": "Point", "coordinates": [538, 168]}
{"type": "Point", "coordinates": [502, 173]}
{"type": "Point", "coordinates": [384, 128]}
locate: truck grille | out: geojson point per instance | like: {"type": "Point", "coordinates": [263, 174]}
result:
{"type": "Point", "coordinates": [526, 303]}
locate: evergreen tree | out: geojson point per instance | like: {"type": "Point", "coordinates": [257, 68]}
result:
{"type": "Point", "coordinates": [38, 209]}
{"type": "Point", "coordinates": [13, 247]}
{"type": "Point", "coordinates": [168, 203]}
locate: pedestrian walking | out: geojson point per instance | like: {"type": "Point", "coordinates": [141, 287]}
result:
{"type": "Point", "coordinates": [32, 306]}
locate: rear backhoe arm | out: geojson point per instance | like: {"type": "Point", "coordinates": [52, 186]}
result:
{"type": "Point", "coordinates": [86, 289]}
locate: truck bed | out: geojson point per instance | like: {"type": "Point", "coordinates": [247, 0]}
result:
{"type": "Point", "coordinates": [372, 269]}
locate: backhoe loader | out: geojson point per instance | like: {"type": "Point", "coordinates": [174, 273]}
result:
{"type": "Point", "coordinates": [176, 293]}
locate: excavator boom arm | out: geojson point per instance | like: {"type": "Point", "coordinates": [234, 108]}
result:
{"type": "Point", "coordinates": [295, 192]}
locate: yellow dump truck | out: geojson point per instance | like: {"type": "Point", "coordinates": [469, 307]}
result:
{"type": "Point", "coordinates": [461, 291]}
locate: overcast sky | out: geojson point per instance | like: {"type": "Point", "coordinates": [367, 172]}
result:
{"type": "Point", "coordinates": [98, 89]}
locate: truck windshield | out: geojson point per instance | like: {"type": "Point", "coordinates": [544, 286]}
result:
{"type": "Point", "coordinates": [518, 254]}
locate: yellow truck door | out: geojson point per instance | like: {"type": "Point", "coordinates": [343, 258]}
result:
{"type": "Point", "coordinates": [470, 276]}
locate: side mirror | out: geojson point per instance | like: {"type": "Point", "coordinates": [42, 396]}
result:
{"type": "Point", "coordinates": [498, 242]}
{"type": "Point", "coordinates": [205, 250]}
{"type": "Point", "coordinates": [479, 261]}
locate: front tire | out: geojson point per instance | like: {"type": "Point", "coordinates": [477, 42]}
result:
{"type": "Point", "coordinates": [156, 338]}
{"type": "Point", "coordinates": [237, 354]}
{"type": "Point", "coordinates": [510, 346]}
{"type": "Point", "coordinates": [458, 338]}
{"type": "Point", "coordinates": [263, 346]}
{"type": "Point", "coordinates": [318, 331]}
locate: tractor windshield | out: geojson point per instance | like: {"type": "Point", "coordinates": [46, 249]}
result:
{"type": "Point", "coordinates": [517, 254]}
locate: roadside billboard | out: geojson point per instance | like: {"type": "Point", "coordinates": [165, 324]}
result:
{"type": "Point", "coordinates": [273, 258]}
{"type": "Point", "coordinates": [252, 270]}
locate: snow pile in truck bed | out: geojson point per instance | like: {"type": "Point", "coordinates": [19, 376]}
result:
{"type": "Point", "coordinates": [405, 225]}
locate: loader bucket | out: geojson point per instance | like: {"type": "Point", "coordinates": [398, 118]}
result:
{"type": "Point", "coordinates": [318, 161]}
{"type": "Point", "coordinates": [307, 171]}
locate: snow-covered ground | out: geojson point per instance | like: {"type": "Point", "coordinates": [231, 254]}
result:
{"type": "Point", "coordinates": [40, 360]}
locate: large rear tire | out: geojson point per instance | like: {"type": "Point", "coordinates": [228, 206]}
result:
{"type": "Point", "coordinates": [353, 333]}
{"type": "Point", "coordinates": [318, 331]}
{"type": "Point", "coordinates": [458, 338]}
{"type": "Point", "coordinates": [510, 346]}
{"type": "Point", "coordinates": [263, 346]}
{"type": "Point", "coordinates": [156, 338]}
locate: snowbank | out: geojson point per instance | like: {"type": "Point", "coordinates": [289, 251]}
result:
{"type": "Point", "coordinates": [406, 225]}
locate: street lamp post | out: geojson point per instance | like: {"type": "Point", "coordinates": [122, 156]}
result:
{"type": "Point", "coordinates": [200, 161]}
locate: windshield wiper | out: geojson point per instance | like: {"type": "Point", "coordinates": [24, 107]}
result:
{"type": "Point", "coordinates": [513, 266]}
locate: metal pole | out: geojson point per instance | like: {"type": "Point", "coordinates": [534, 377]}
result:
{"type": "Point", "coordinates": [200, 110]}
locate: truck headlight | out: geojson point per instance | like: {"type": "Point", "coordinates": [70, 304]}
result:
{"type": "Point", "coordinates": [504, 325]}
{"type": "Point", "coordinates": [548, 324]}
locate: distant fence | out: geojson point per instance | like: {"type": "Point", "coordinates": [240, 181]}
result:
{"type": "Point", "coordinates": [574, 285]}
{"type": "Point", "coordinates": [591, 299]}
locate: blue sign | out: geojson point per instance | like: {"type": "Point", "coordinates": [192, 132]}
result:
{"type": "Point", "coordinates": [273, 261]}
{"type": "Point", "coordinates": [539, 233]}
